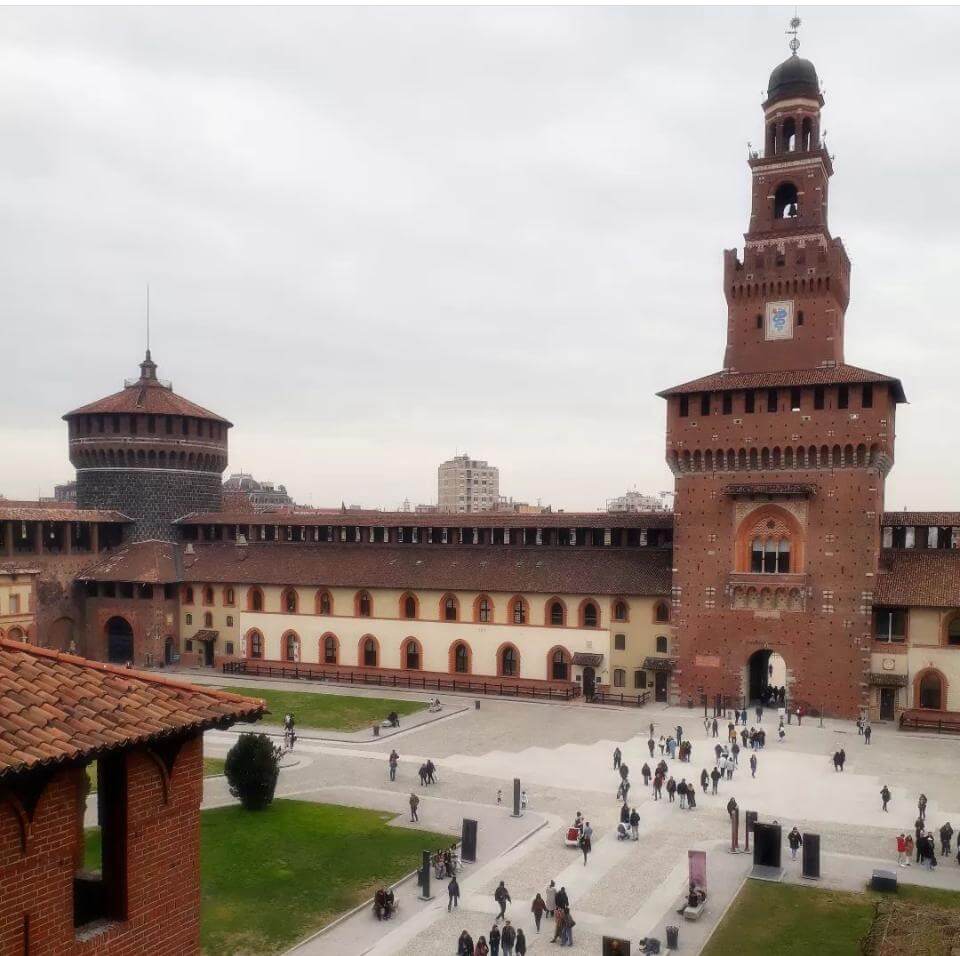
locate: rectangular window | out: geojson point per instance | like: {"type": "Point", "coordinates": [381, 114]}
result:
{"type": "Point", "coordinates": [228, 647]}
{"type": "Point", "coordinates": [620, 642]}
{"type": "Point", "coordinates": [795, 399]}
{"type": "Point", "coordinates": [229, 620]}
{"type": "Point", "coordinates": [189, 645]}
{"type": "Point", "coordinates": [890, 624]}
{"type": "Point", "coordinates": [866, 396]}
{"type": "Point", "coordinates": [619, 677]}
{"type": "Point", "coordinates": [771, 399]}
{"type": "Point", "coordinates": [843, 396]}
{"type": "Point", "coordinates": [705, 404]}
{"type": "Point", "coordinates": [684, 406]}
{"type": "Point", "coordinates": [818, 395]}
{"type": "Point", "coordinates": [640, 680]}
{"type": "Point", "coordinates": [727, 403]}
{"type": "Point", "coordinates": [749, 402]}
{"type": "Point", "coordinates": [14, 603]}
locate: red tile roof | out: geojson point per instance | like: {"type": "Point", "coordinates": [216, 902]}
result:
{"type": "Point", "coordinates": [39, 513]}
{"type": "Point", "coordinates": [145, 562]}
{"type": "Point", "coordinates": [640, 571]}
{"type": "Point", "coordinates": [920, 519]}
{"type": "Point", "coordinates": [926, 578]}
{"type": "Point", "coordinates": [56, 708]}
{"type": "Point", "coordinates": [146, 397]}
{"type": "Point", "coordinates": [822, 375]}
{"type": "Point", "coordinates": [407, 519]}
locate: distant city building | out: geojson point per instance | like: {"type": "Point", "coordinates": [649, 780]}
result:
{"type": "Point", "coordinates": [262, 495]}
{"type": "Point", "coordinates": [467, 485]}
{"type": "Point", "coordinates": [636, 501]}
{"type": "Point", "coordinates": [67, 492]}
{"type": "Point", "coordinates": [510, 506]}
{"type": "Point", "coordinates": [426, 509]}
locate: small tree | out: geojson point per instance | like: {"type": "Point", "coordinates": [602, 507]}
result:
{"type": "Point", "coordinates": [252, 768]}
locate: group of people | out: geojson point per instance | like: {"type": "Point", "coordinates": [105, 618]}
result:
{"type": "Point", "coordinates": [864, 729]}
{"type": "Point", "coordinates": [445, 863]}
{"type": "Point", "coordinates": [384, 903]}
{"type": "Point", "coordinates": [427, 773]}
{"type": "Point", "coordinates": [510, 940]}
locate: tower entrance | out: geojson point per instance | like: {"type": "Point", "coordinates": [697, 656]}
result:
{"type": "Point", "coordinates": [119, 641]}
{"type": "Point", "coordinates": [766, 671]}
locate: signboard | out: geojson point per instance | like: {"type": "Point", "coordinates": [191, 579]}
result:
{"type": "Point", "coordinates": [779, 320]}
{"type": "Point", "coordinates": [706, 660]}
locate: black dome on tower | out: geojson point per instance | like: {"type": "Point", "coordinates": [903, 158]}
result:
{"type": "Point", "coordinates": [794, 77]}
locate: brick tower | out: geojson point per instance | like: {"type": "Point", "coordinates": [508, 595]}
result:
{"type": "Point", "coordinates": [149, 453]}
{"type": "Point", "coordinates": [780, 458]}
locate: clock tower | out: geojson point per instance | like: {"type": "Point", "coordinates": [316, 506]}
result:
{"type": "Point", "coordinates": [780, 457]}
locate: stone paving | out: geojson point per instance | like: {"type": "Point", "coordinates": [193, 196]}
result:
{"type": "Point", "coordinates": [562, 752]}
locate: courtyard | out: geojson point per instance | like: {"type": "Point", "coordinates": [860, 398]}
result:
{"type": "Point", "coordinates": [562, 754]}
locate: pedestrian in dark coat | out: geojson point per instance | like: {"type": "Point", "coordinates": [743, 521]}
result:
{"type": "Point", "coordinates": [715, 777]}
{"type": "Point", "coordinates": [946, 835]}
{"type": "Point", "coordinates": [521, 944]}
{"type": "Point", "coordinates": [645, 773]}
{"type": "Point", "coordinates": [453, 891]}
{"type": "Point", "coordinates": [494, 939]}
{"type": "Point", "coordinates": [651, 745]}
{"type": "Point", "coordinates": [704, 780]}
{"type": "Point", "coordinates": [885, 797]}
{"type": "Point", "coordinates": [635, 823]}
{"type": "Point", "coordinates": [716, 728]}
{"type": "Point", "coordinates": [867, 731]}
{"type": "Point", "coordinates": [563, 901]}
{"type": "Point", "coordinates": [538, 908]}
{"type": "Point", "coordinates": [671, 788]}
{"type": "Point", "coordinates": [616, 758]}
{"type": "Point", "coordinates": [508, 937]}
{"type": "Point", "coordinates": [502, 896]}
{"type": "Point", "coordinates": [795, 841]}
{"type": "Point", "coordinates": [465, 944]}
{"type": "Point", "coordinates": [625, 814]}
{"type": "Point", "coordinates": [753, 765]}
{"type": "Point", "coordinates": [922, 806]}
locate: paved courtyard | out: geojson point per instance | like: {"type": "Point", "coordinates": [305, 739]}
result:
{"type": "Point", "coordinates": [563, 755]}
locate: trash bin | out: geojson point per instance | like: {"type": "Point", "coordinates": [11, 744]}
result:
{"type": "Point", "coordinates": [376, 730]}
{"type": "Point", "coordinates": [476, 705]}
{"type": "Point", "coordinates": [673, 936]}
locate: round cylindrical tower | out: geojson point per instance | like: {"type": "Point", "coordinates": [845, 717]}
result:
{"type": "Point", "coordinates": [149, 453]}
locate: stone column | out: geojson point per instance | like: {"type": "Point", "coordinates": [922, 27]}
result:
{"type": "Point", "coordinates": [8, 528]}
{"type": "Point", "coordinates": [68, 537]}
{"type": "Point", "coordinates": [38, 538]}
{"type": "Point", "coordinates": [94, 537]}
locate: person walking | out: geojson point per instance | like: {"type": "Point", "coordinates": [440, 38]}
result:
{"type": "Point", "coordinates": [482, 948]}
{"type": "Point", "coordinates": [617, 755]}
{"type": "Point", "coordinates": [716, 728]}
{"type": "Point", "coordinates": [501, 896]}
{"type": "Point", "coordinates": [465, 944]}
{"type": "Point", "coordinates": [946, 835]}
{"type": "Point", "coordinates": [735, 751]}
{"type": "Point", "coordinates": [922, 806]}
{"type": "Point", "coordinates": [521, 944]}
{"type": "Point", "coordinates": [538, 908]}
{"type": "Point", "coordinates": [551, 898]}
{"type": "Point", "coordinates": [682, 792]}
{"type": "Point", "coordinates": [651, 745]}
{"type": "Point", "coordinates": [715, 777]}
{"type": "Point", "coordinates": [568, 923]}
{"type": "Point", "coordinates": [795, 841]}
{"type": "Point", "coordinates": [394, 760]}
{"type": "Point", "coordinates": [507, 938]}
{"type": "Point", "coordinates": [885, 797]}
{"type": "Point", "coordinates": [494, 937]}
{"type": "Point", "coordinates": [563, 901]}
{"type": "Point", "coordinates": [557, 925]}
{"type": "Point", "coordinates": [635, 824]}
{"type": "Point", "coordinates": [662, 743]}
{"type": "Point", "coordinates": [679, 735]}
{"type": "Point", "coordinates": [453, 891]}
{"type": "Point", "coordinates": [919, 841]}
{"type": "Point", "coordinates": [657, 786]}
{"type": "Point", "coordinates": [414, 803]}
{"type": "Point", "coordinates": [704, 780]}
{"type": "Point", "coordinates": [585, 841]}
{"type": "Point", "coordinates": [753, 765]}
{"type": "Point", "coordinates": [860, 726]}
{"type": "Point", "coordinates": [908, 848]}
{"type": "Point", "coordinates": [645, 773]}
{"type": "Point", "coordinates": [671, 789]}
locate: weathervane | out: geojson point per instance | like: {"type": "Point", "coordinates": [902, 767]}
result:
{"type": "Point", "coordinates": [792, 32]}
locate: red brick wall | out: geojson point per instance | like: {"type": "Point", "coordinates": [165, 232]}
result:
{"type": "Point", "coordinates": [152, 620]}
{"type": "Point", "coordinates": [163, 861]}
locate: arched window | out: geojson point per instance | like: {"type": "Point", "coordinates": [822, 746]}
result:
{"type": "Point", "coordinates": [291, 646]}
{"type": "Point", "coordinates": [228, 597]}
{"type": "Point", "coordinates": [785, 202]}
{"type": "Point", "coordinates": [188, 595]}
{"type": "Point", "coordinates": [790, 135]}
{"type": "Point", "coordinates": [323, 602]}
{"type": "Point", "coordinates": [409, 605]}
{"type": "Point", "coordinates": [806, 135]}
{"type": "Point", "coordinates": [661, 645]}
{"type": "Point", "coordinates": [483, 610]}
{"type": "Point", "coordinates": [208, 595]}
{"type": "Point", "coordinates": [619, 677]}
{"type": "Point", "coordinates": [556, 614]}
{"type": "Point", "coordinates": [621, 612]}
{"type": "Point", "coordinates": [661, 612]}
{"type": "Point", "coordinates": [364, 604]}
{"type": "Point", "coordinates": [369, 652]}
{"type": "Point", "coordinates": [289, 601]}
{"type": "Point", "coordinates": [518, 610]}
{"type": "Point", "coordinates": [461, 659]}
{"type": "Point", "coordinates": [931, 691]}
{"type": "Point", "coordinates": [449, 608]}
{"type": "Point", "coordinates": [208, 619]}
{"type": "Point", "coordinates": [255, 644]}
{"type": "Point", "coordinates": [509, 661]}
{"type": "Point", "coordinates": [411, 654]}
{"type": "Point", "coordinates": [559, 665]}
{"type": "Point", "coordinates": [590, 615]}
{"type": "Point", "coordinates": [254, 599]}
{"type": "Point", "coordinates": [331, 647]}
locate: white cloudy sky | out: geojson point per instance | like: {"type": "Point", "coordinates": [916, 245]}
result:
{"type": "Point", "coordinates": [377, 236]}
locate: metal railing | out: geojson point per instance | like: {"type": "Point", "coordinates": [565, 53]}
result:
{"type": "Point", "coordinates": [408, 681]}
{"type": "Point", "coordinates": [938, 724]}
{"type": "Point", "coordinates": [624, 700]}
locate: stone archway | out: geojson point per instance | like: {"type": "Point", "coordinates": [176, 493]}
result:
{"type": "Point", "coordinates": [765, 669]}
{"type": "Point", "coordinates": [119, 641]}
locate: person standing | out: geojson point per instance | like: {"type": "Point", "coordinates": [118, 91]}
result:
{"type": "Point", "coordinates": [494, 937]}
{"type": "Point", "coordinates": [946, 835]}
{"type": "Point", "coordinates": [795, 841]}
{"type": "Point", "coordinates": [919, 841]}
{"type": "Point", "coordinates": [704, 780]}
{"type": "Point", "coordinates": [908, 848]}
{"type": "Point", "coordinates": [551, 898]}
{"type": "Point", "coordinates": [716, 728]}
{"type": "Point", "coordinates": [507, 938]}
{"type": "Point", "coordinates": [394, 760]}
{"type": "Point", "coordinates": [753, 765]}
{"type": "Point", "coordinates": [867, 731]}
{"type": "Point", "coordinates": [657, 785]}
{"type": "Point", "coordinates": [715, 777]}
{"type": "Point", "coordinates": [521, 944]}
{"type": "Point", "coordinates": [731, 807]}
{"type": "Point", "coordinates": [885, 797]}
{"type": "Point", "coordinates": [902, 850]}
{"type": "Point", "coordinates": [538, 908]}
{"type": "Point", "coordinates": [650, 746]}
{"type": "Point", "coordinates": [635, 824]}
{"type": "Point", "coordinates": [502, 896]}
{"type": "Point", "coordinates": [679, 735]}
{"type": "Point", "coordinates": [414, 803]}
{"type": "Point", "coordinates": [465, 944]}
{"type": "Point", "coordinates": [645, 773]}
{"type": "Point", "coordinates": [922, 807]}
{"type": "Point", "coordinates": [453, 891]}
{"type": "Point", "coordinates": [617, 755]}
{"type": "Point", "coordinates": [482, 948]}
{"type": "Point", "coordinates": [585, 841]}
{"type": "Point", "coordinates": [567, 938]}
{"type": "Point", "coordinates": [671, 789]}
{"type": "Point", "coordinates": [558, 925]}
{"type": "Point", "coordinates": [682, 792]}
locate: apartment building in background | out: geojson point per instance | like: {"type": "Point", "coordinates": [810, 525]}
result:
{"type": "Point", "coordinates": [466, 486]}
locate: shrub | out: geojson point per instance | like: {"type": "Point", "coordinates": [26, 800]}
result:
{"type": "Point", "coordinates": [252, 768]}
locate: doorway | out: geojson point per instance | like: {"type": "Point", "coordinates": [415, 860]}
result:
{"type": "Point", "coordinates": [888, 702]}
{"type": "Point", "coordinates": [660, 686]}
{"type": "Point", "coordinates": [766, 678]}
{"type": "Point", "coordinates": [589, 680]}
{"type": "Point", "coordinates": [208, 653]}
{"type": "Point", "coordinates": [168, 651]}
{"type": "Point", "coordinates": [119, 641]}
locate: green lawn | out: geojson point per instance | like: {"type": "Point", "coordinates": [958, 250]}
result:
{"type": "Point", "coordinates": [790, 920]}
{"type": "Point", "coordinates": [270, 878]}
{"type": "Point", "coordinates": [212, 766]}
{"type": "Point", "coordinates": [328, 711]}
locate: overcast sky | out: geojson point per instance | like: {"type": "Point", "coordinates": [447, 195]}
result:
{"type": "Point", "coordinates": [376, 237]}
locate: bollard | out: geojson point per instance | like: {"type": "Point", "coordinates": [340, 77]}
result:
{"type": "Point", "coordinates": [476, 705]}
{"type": "Point", "coordinates": [376, 730]}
